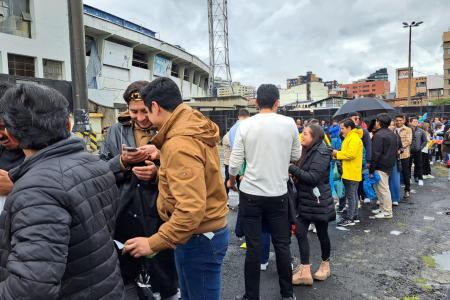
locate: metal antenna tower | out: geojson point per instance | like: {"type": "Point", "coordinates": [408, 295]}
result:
{"type": "Point", "coordinates": [219, 62]}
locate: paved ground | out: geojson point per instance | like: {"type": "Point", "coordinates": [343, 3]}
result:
{"type": "Point", "coordinates": [368, 261]}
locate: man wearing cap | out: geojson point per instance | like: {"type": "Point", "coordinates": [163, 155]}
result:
{"type": "Point", "coordinates": [135, 177]}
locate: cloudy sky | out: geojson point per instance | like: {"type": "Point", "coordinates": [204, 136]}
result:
{"type": "Point", "coordinates": [271, 40]}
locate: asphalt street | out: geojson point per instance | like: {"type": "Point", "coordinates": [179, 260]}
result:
{"type": "Point", "coordinates": [376, 259]}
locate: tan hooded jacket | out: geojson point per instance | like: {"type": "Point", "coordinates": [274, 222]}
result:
{"type": "Point", "coordinates": [192, 198]}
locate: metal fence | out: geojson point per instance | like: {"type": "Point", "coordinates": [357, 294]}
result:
{"type": "Point", "coordinates": [226, 118]}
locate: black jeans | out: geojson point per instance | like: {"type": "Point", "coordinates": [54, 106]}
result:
{"type": "Point", "coordinates": [406, 173]}
{"type": "Point", "coordinates": [361, 194]}
{"type": "Point", "coordinates": [416, 157]}
{"type": "Point", "coordinates": [227, 176]}
{"type": "Point", "coordinates": [426, 164]}
{"type": "Point", "coordinates": [301, 231]}
{"type": "Point", "coordinates": [274, 212]}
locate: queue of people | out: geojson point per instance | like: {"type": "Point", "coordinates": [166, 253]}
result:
{"type": "Point", "coordinates": [148, 216]}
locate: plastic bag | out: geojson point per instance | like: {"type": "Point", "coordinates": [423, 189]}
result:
{"type": "Point", "coordinates": [368, 185]}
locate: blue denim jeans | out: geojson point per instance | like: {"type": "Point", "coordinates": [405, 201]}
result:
{"type": "Point", "coordinates": [394, 184]}
{"type": "Point", "coordinates": [199, 265]}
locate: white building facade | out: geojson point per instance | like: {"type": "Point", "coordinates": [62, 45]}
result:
{"type": "Point", "coordinates": [318, 91]}
{"type": "Point", "coordinates": [236, 89]}
{"type": "Point", "coordinates": [34, 41]}
{"type": "Point", "coordinates": [120, 52]}
{"type": "Point", "coordinates": [35, 46]}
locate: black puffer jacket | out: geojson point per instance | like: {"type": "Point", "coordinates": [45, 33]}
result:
{"type": "Point", "coordinates": [138, 215]}
{"type": "Point", "coordinates": [10, 159]}
{"type": "Point", "coordinates": [315, 172]}
{"type": "Point", "coordinates": [57, 226]}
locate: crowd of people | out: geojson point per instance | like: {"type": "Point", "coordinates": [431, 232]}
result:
{"type": "Point", "coordinates": [421, 142]}
{"type": "Point", "coordinates": [147, 217]}
{"type": "Point", "coordinates": [342, 166]}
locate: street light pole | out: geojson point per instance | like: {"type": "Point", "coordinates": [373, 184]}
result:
{"type": "Point", "coordinates": [409, 67]}
{"type": "Point", "coordinates": [406, 25]}
{"type": "Point", "coordinates": [78, 62]}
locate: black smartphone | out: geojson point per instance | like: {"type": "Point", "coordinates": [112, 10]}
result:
{"type": "Point", "coordinates": [130, 149]}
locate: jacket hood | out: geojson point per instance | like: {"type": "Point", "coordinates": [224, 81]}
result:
{"type": "Point", "coordinates": [186, 121]}
{"type": "Point", "coordinates": [335, 130]}
{"type": "Point", "coordinates": [359, 132]}
{"type": "Point", "coordinates": [124, 118]}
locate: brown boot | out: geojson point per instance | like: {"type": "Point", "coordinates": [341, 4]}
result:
{"type": "Point", "coordinates": [303, 276]}
{"type": "Point", "coordinates": [323, 272]}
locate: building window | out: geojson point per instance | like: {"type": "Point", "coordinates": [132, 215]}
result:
{"type": "Point", "coordinates": [19, 65]}
{"type": "Point", "coordinates": [15, 17]}
{"type": "Point", "coordinates": [448, 71]}
{"type": "Point", "coordinates": [186, 74]}
{"type": "Point", "coordinates": [53, 69]}
{"type": "Point", "coordinates": [175, 70]}
{"type": "Point", "coordinates": [88, 42]}
{"type": "Point", "coordinates": [421, 84]}
{"type": "Point", "coordinates": [140, 60]}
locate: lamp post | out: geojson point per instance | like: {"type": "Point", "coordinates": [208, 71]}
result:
{"type": "Point", "coordinates": [78, 61]}
{"type": "Point", "coordinates": [406, 25]}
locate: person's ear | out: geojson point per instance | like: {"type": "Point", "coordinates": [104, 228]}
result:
{"type": "Point", "coordinates": [69, 125]}
{"type": "Point", "coordinates": [276, 104]}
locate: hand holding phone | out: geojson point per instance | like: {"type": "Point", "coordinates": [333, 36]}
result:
{"type": "Point", "coordinates": [132, 156]}
{"type": "Point", "coordinates": [130, 149]}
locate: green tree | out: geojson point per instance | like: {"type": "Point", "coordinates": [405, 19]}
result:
{"type": "Point", "coordinates": [443, 101]}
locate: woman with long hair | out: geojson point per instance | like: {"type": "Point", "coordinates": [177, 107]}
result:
{"type": "Point", "coordinates": [314, 204]}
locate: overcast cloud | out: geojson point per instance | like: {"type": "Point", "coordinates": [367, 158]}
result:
{"type": "Point", "coordinates": [271, 40]}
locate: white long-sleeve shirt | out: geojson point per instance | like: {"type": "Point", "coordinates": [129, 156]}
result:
{"type": "Point", "coordinates": [268, 142]}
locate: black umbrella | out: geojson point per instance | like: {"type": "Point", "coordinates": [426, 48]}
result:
{"type": "Point", "coordinates": [367, 106]}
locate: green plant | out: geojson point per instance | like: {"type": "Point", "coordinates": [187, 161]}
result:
{"type": "Point", "coordinates": [429, 261]}
{"type": "Point", "coordinates": [411, 298]}
{"type": "Point", "coordinates": [420, 280]}
{"type": "Point", "coordinates": [443, 101]}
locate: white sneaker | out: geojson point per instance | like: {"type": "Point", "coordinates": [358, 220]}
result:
{"type": "Point", "coordinates": [264, 266]}
{"type": "Point", "coordinates": [366, 200]}
{"type": "Point", "coordinates": [431, 177]}
{"type": "Point", "coordinates": [377, 211]}
{"type": "Point", "coordinates": [420, 182]}
{"type": "Point", "coordinates": [394, 203]}
{"type": "Point", "coordinates": [383, 215]}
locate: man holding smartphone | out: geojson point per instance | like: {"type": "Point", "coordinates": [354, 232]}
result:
{"type": "Point", "coordinates": [136, 179]}
{"type": "Point", "coordinates": [192, 199]}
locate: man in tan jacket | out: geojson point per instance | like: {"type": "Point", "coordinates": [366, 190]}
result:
{"type": "Point", "coordinates": [405, 134]}
{"type": "Point", "coordinates": [192, 199]}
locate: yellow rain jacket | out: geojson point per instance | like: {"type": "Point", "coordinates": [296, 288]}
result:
{"type": "Point", "coordinates": [351, 155]}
